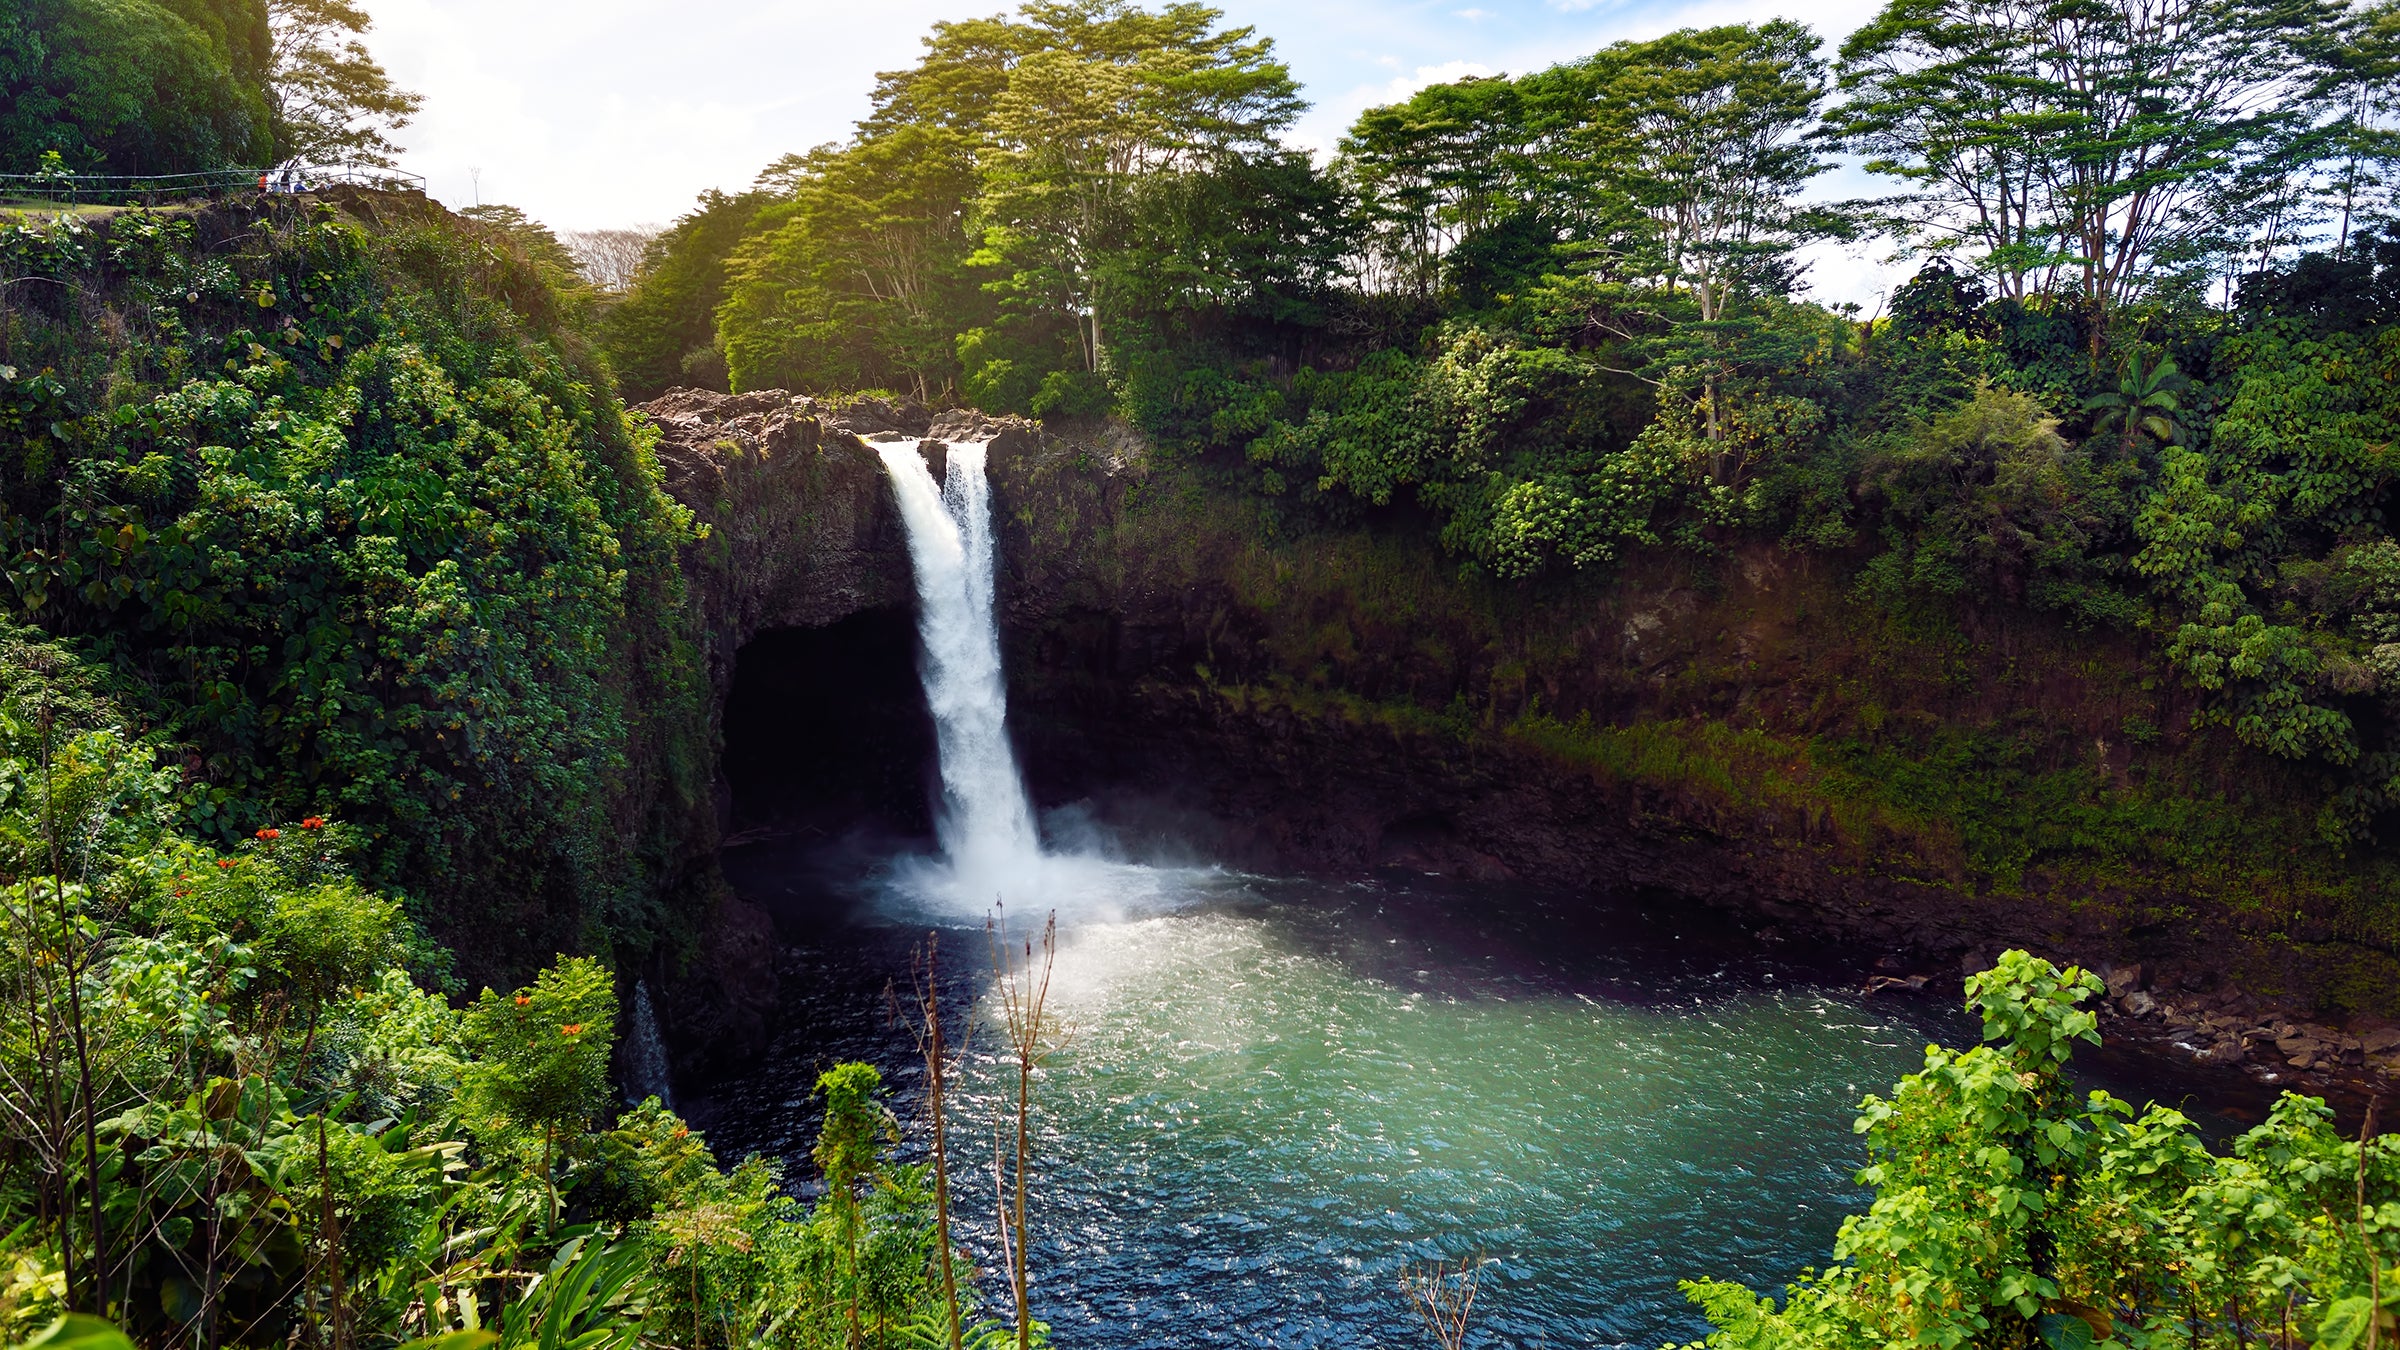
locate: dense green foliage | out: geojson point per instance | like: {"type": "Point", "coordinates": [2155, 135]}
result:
{"type": "Point", "coordinates": [154, 87]}
{"type": "Point", "coordinates": [663, 333]}
{"type": "Point", "coordinates": [134, 86]}
{"type": "Point", "coordinates": [236, 1108]}
{"type": "Point", "coordinates": [2010, 1211]}
{"type": "Point", "coordinates": [1028, 211]}
{"type": "Point", "coordinates": [363, 529]}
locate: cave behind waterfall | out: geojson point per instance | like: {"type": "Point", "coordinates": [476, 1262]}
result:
{"type": "Point", "coordinates": [826, 729]}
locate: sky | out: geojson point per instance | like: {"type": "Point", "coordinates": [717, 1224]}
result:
{"type": "Point", "coordinates": [602, 113]}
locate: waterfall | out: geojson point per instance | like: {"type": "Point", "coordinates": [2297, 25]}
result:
{"type": "Point", "coordinates": [646, 1073]}
{"type": "Point", "coordinates": [985, 824]}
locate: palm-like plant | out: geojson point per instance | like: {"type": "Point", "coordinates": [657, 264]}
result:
{"type": "Point", "coordinates": [2144, 401]}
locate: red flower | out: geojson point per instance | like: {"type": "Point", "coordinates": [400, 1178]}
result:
{"type": "Point", "coordinates": [313, 823]}
{"type": "Point", "coordinates": [270, 834]}
{"type": "Point", "coordinates": [224, 862]}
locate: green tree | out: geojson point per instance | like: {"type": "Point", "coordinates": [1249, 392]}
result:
{"type": "Point", "coordinates": [2360, 65]}
{"type": "Point", "coordinates": [2009, 1210]}
{"type": "Point", "coordinates": [332, 103]}
{"type": "Point", "coordinates": [1987, 501]}
{"type": "Point", "coordinates": [543, 1056]}
{"type": "Point", "coordinates": [664, 332]}
{"type": "Point", "coordinates": [1433, 172]}
{"type": "Point", "coordinates": [536, 241]}
{"type": "Point", "coordinates": [2297, 456]}
{"type": "Point", "coordinates": [134, 86]}
{"type": "Point", "coordinates": [2107, 147]}
{"type": "Point", "coordinates": [1104, 94]}
{"type": "Point", "coordinates": [2145, 401]}
{"type": "Point", "coordinates": [859, 279]}
{"type": "Point", "coordinates": [1702, 133]}
{"type": "Point", "coordinates": [849, 1152]}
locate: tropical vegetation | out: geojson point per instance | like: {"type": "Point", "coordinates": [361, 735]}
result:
{"type": "Point", "coordinates": [158, 88]}
{"type": "Point", "coordinates": [241, 1103]}
{"type": "Point", "coordinates": [353, 721]}
{"type": "Point", "coordinates": [2011, 1210]}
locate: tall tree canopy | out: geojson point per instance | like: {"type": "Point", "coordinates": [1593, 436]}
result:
{"type": "Point", "coordinates": [664, 332]}
{"type": "Point", "coordinates": [332, 102]}
{"type": "Point", "coordinates": [180, 86]}
{"type": "Point", "coordinates": [2108, 147]}
{"type": "Point", "coordinates": [1433, 171]}
{"type": "Point", "coordinates": [970, 233]}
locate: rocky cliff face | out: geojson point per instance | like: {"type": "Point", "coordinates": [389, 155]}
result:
{"type": "Point", "coordinates": [1733, 731]}
{"type": "Point", "coordinates": [799, 527]}
{"type": "Point", "coordinates": [1737, 732]}
{"type": "Point", "coordinates": [798, 533]}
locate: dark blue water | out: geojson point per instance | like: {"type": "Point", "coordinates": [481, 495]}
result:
{"type": "Point", "coordinates": [1269, 1097]}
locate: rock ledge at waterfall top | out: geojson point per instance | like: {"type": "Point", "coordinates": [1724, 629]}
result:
{"type": "Point", "coordinates": [800, 520]}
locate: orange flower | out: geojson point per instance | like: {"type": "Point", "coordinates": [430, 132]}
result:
{"type": "Point", "coordinates": [270, 834]}
{"type": "Point", "coordinates": [522, 1000]}
{"type": "Point", "coordinates": [681, 1131]}
{"type": "Point", "coordinates": [224, 862]}
{"type": "Point", "coordinates": [571, 1029]}
{"type": "Point", "coordinates": [313, 823]}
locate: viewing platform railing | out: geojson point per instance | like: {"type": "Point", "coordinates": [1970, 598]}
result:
{"type": "Point", "coordinates": [156, 189]}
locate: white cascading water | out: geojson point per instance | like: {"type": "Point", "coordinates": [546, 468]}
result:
{"type": "Point", "coordinates": [647, 1073]}
{"type": "Point", "coordinates": [986, 824]}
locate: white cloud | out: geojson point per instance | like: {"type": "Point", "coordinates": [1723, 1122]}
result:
{"type": "Point", "coordinates": [1322, 126]}
{"type": "Point", "coordinates": [595, 114]}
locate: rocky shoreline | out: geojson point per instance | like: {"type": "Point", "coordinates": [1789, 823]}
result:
{"type": "Point", "coordinates": [2360, 1058]}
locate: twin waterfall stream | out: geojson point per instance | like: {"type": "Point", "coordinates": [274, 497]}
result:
{"type": "Point", "coordinates": [986, 824]}
{"type": "Point", "coordinates": [1271, 1094]}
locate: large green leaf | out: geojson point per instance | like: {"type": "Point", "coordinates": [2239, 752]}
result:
{"type": "Point", "coordinates": [80, 1331]}
{"type": "Point", "coordinates": [2344, 1323]}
